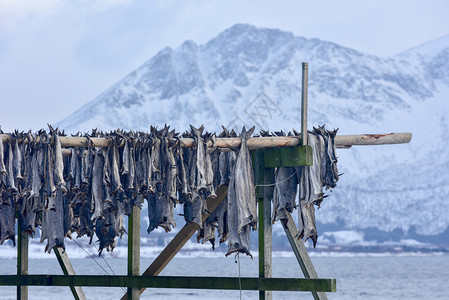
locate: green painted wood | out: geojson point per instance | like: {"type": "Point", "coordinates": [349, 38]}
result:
{"type": "Point", "coordinates": [181, 282]}
{"type": "Point", "coordinates": [296, 156]}
{"type": "Point", "coordinates": [272, 158]}
{"type": "Point", "coordinates": [265, 230]}
{"type": "Point", "coordinates": [257, 161]}
{"type": "Point", "coordinates": [133, 292]}
{"type": "Point", "coordinates": [22, 260]}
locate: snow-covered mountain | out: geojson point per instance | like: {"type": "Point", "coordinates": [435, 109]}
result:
{"type": "Point", "coordinates": [249, 75]}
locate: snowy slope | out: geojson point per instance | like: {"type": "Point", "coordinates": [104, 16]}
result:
{"type": "Point", "coordinates": [249, 75]}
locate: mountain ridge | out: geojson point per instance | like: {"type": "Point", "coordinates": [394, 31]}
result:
{"type": "Point", "coordinates": [248, 75]}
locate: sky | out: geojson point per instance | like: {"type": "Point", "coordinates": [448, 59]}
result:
{"type": "Point", "coordinates": [56, 56]}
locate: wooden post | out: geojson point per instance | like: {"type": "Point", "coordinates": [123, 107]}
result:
{"type": "Point", "coordinates": [304, 92]}
{"type": "Point", "coordinates": [264, 176]}
{"type": "Point", "coordinates": [301, 253]}
{"type": "Point", "coordinates": [181, 238]}
{"type": "Point", "coordinates": [22, 260]}
{"type": "Point", "coordinates": [67, 269]}
{"type": "Point", "coordinates": [134, 250]}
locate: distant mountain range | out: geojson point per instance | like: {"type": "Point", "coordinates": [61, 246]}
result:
{"type": "Point", "coordinates": [249, 75]}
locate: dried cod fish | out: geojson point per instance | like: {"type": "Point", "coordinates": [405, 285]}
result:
{"type": "Point", "coordinates": [242, 211]}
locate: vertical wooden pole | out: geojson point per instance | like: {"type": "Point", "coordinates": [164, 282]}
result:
{"type": "Point", "coordinates": [134, 250]}
{"type": "Point", "coordinates": [264, 177]}
{"type": "Point", "coordinates": [304, 100]}
{"type": "Point", "coordinates": [22, 260]}
{"type": "Point", "coordinates": [67, 269]}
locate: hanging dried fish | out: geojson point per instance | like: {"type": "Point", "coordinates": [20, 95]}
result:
{"type": "Point", "coordinates": [316, 193]}
{"type": "Point", "coordinates": [7, 229]}
{"type": "Point", "coordinates": [86, 226]}
{"type": "Point", "coordinates": [160, 204]}
{"type": "Point", "coordinates": [171, 169]}
{"type": "Point", "coordinates": [160, 212]}
{"type": "Point", "coordinates": [96, 206]}
{"type": "Point", "coordinates": [208, 165]}
{"type": "Point", "coordinates": [200, 159]}
{"type": "Point", "coordinates": [58, 162]}
{"type": "Point", "coordinates": [115, 176]}
{"type": "Point", "coordinates": [182, 182]}
{"type": "Point", "coordinates": [17, 159]}
{"type": "Point", "coordinates": [2, 157]}
{"type": "Point", "coordinates": [50, 189]}
{"type": "Point", "coordinates": [285, 191]}
{"type": "Point", "coordinates": [193, 209]}
{"type": "Point", "coordinates": [105, 229]}
{"type": "Point", "coordinates": [242, 211]}
{"type": "Point", "coordinates": [308, 217]}
{"type": "Point", "coordinates": [10, 182]}
{"type": "Point", "coordinates": [53, 224]}
{"type": "Point", "coordinates": [332, 175]}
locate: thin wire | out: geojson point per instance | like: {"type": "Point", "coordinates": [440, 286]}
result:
{"type": "Point", "coordinates": [273, 184]}
{"type": "Point", "coordinates": [102, 256]}
{"type": "Point", "coordinates": [107, 273]}
{"type": "Point", "coordinates": [108, 265]}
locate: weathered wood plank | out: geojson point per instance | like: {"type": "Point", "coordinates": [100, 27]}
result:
{"type": "Point", "coordinates": [341, 141]}
{"type": "Point", "coordinates": [301, 253]}
{"type": "Point", "coordinates": [265, 231]}
{"type": "Point", "coordinates": [22, 260]}
{"type": "Point", "coordinates": [304, 102]}
{"type": "Point", "coordinates": [134, 250]}
{"type": "Point", "coordinates": [181, 238]}
{"type": "Point", "coordinates": [177, 282]}
{"type": "Point", "coordinates": [67, 269]}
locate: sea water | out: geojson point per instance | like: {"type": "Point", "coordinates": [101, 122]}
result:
{"type": "Point", "coordinates": [381, 277]}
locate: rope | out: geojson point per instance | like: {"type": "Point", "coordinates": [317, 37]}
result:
{"type": "Point", "coordinates": [240, 282]}
{"type": "Point", "coordinates": [273, 184]}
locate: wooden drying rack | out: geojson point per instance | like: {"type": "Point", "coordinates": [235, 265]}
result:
{"type": "Point", "coordinates": [267, 153]}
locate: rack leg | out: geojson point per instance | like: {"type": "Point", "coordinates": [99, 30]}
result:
{"type": "Point", "coordinates": [265, 232]}
{"type": "Point", "coordinates": [134, 250]}
{"type": "Point", "coordinates": [22, 260]}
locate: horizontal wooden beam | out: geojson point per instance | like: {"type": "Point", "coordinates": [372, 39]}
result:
{"type": "Point", "coordinates": [341, 141]}
{"type": "Point", "coordinates": [178, 282]}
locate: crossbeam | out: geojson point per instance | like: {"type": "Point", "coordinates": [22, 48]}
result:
{"type": "Point", "coordinates": [341, 141]}
{"type": "Point", "coordinates": [177, 282]}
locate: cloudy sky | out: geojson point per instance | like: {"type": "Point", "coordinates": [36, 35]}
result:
{"type": "Point", "coordinates": [56, 56]}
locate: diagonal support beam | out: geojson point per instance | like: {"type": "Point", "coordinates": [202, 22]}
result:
{"type": "Point", "coordinates": [181, 238]}
{"type": "Point", "coordinates": [67, 269]}
{"type": "Point", "coordinates": [301, 253]}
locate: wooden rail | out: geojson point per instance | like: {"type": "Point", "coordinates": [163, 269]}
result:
{"type": "Point", "coordinates": [177, 282]}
